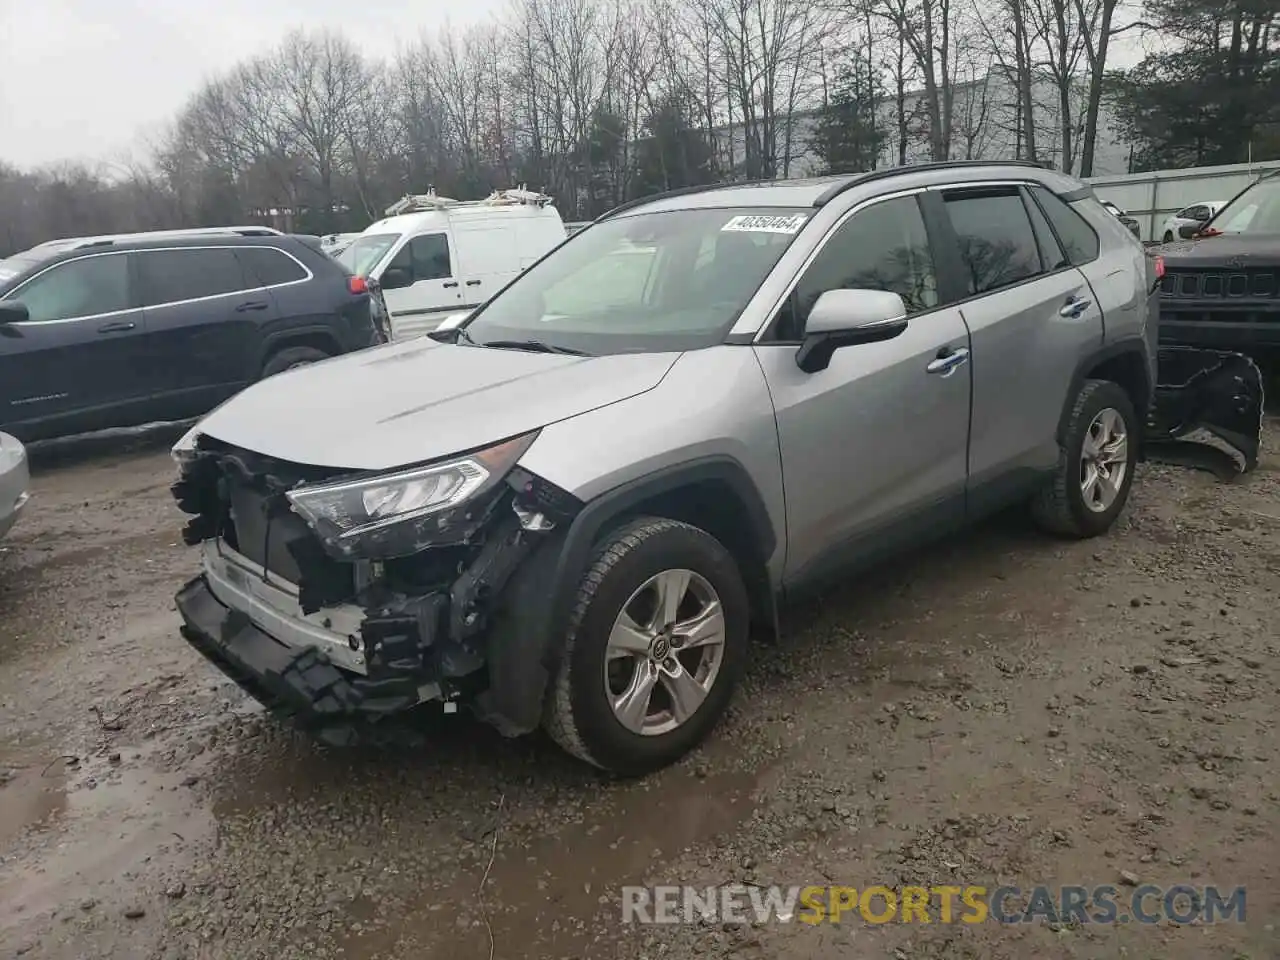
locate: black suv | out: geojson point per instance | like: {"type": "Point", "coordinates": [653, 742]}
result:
{"type": "Point", "coordinates": [116, 332]}
{"type": "Point", "coordinates": [1221, 289]}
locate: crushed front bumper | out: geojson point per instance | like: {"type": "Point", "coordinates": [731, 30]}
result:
{"type": "Point", "coordinates": [301, 683]}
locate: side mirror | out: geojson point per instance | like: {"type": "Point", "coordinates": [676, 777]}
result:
{"type": "Point", "coordinates": [395, 278]}
{"type": "Point", "coordinates": [846, 318]}
{"type": "Point", "coordinates": [13, 311]}
{"type": "Point", "coordinates": [1188, 230]}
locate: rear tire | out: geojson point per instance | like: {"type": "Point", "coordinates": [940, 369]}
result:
{"type": "Point", "coordinates": [682, 685]}
{"type": "Point", "coordinates": [1095, 464]}
{"type": "Point", "coordinates": [291, 357]}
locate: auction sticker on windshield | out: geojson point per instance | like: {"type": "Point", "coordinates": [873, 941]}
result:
{"type": "Point", "coordinates": [757, 223]}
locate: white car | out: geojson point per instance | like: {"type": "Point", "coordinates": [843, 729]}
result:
{"type": "Point", "coordinates": [13, 481]}
{"type": "Point", "coordinates": [1192, 215]}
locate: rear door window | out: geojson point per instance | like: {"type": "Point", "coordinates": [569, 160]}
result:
{"type": "Point", "coordinates": [177, 275]}
{"type": "Point", "coordinates": [997, 243]}
{"type": "Point", "coordinates": [78, 288]}
{"type": "Point", "coordinates": [269, 266]}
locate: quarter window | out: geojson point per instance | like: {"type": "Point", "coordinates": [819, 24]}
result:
{"type": "Point", "coordinates": [1076, 236]}
{"type": "Point", "coordinates": [79, 288]}
{"type": "Point", "coordinates": [269, 266]}
{"type": "Point", "coordinates": [172, 276]}
{"type": "Point", "coordinates": [997, 244]}
{"type": "Point", "coordinates": [882, 247]}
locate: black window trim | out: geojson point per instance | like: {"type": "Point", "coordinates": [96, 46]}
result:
{"type": "Point", "coordinates": [230, 293]}
{"type": "Point", "coordinates": [133, 289]}
{"type": "Point", "coordinates": [951, 271]}
{"type": "Point", "coordinates": [763, 336]}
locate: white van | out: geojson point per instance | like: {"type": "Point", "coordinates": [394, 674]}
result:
{"type": "Point", "coordinates": [434, 257]}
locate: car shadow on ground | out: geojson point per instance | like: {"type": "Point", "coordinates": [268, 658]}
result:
{"type": "Point", "coordinates": [65, 453]}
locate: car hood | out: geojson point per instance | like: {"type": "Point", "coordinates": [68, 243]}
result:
{"type": "Point", "coordinates": [1229, 251]}
{"type": "Point", "coordinates": [407, 403]}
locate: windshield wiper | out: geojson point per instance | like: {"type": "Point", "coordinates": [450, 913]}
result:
{"type": "Point", "coordinates": [537, 346]}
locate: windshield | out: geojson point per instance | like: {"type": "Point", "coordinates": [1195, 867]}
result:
{"type": "Point", "coordinates": [365, 252]}
{"type": "Point", "coordinates": [1257, 210]}
{"type": "Point", "coordinates": [646, 283]}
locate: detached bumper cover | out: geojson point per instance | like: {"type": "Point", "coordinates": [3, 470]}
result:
{"type": "Point", "coordinates": [1208, 410]}
{"type": "Point", "coordinates": [299, 683]}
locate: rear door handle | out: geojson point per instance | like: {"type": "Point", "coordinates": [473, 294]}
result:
{"type": "Point", "coordinates": [1074, 307]}
{"type": "Point", "coordinates": [473, 283]}
{"type": "Point", "coordinates": [251, 305]}
{"type": "Point", "coordinates": [450, 284]}
{"type": "Point", "coordinates": [948, 360]}
{"type": "Point", "coordinates": [118, 326]}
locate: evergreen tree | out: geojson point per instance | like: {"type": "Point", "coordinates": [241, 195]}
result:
{"type": "Point", "coordinates": [847, 135]}
{"type": "Point", "coordinates": [1214, 95]}
{"type": "Point", "coordinates": [674, 154]}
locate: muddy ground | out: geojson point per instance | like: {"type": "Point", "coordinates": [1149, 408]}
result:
{"type": "Point", "coordinates": [1001, 708]}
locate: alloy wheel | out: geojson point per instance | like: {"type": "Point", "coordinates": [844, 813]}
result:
{"type": "Point", "coordinates": [664, 652]}
{"type": "Point", "coordinates": [1104, 460]}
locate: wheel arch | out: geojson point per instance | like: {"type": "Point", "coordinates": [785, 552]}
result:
{"type": "Point", "coordinates": [714, 493]}
{"type": "Point", "coordinates": [1123, 363]}
{"type": "Point", "coordinates": [317, 338]}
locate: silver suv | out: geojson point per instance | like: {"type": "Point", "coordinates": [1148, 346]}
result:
{"type": "Point", "coordinates": [568, 509]}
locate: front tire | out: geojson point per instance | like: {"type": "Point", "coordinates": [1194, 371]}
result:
{"type": "Point", "coordinates": [1095, 464]}
{"type": "Point", "coordinates": [656, 643]}
{"type": "Point", "coordinates": [1168, 236]}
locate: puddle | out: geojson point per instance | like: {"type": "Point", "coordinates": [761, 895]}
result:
{"type": "Point", "coordinates": [68, 832]}
{"type": "Point", "coordinates": [559, 894]}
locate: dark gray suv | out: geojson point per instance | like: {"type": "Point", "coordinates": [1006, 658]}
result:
{"type": "Point", "coordinates": [115, 332]}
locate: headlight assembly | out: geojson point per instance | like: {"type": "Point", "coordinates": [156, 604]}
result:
{"type": "Point", "coordinates": [397, 514]}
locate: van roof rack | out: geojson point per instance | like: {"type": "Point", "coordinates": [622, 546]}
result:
{"type": "Point", "coordinates": [424, 202]}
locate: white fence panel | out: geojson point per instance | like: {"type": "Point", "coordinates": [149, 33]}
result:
{"type": "Point", "coordinates": [1151, 197]}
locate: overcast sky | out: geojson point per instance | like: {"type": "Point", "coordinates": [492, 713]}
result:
{"type": "Point", "coordinates": [86, 79]}
{"type": "Point", "coordinates": [93, 79]}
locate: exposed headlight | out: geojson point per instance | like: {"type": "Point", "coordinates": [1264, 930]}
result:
{"type": "Point", "coordinates": [397, 514]}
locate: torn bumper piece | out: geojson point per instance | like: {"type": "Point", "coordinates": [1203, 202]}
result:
{"type": "Point", "coordinates": [298, 683]}
{"type": "Point", "coordinates": [1208, 410]}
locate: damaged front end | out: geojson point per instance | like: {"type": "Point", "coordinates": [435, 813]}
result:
{"type": "Point", "coordinates": [340, 600]}
{"type": "Point", "coordinates": [1208, 410]}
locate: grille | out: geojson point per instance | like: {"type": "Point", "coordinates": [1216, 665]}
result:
{"type": "Point", "coordinates": [1260, 283]}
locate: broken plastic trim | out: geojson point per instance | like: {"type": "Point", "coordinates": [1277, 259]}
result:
{"type": "Point", "coordinates": [1207, 411]}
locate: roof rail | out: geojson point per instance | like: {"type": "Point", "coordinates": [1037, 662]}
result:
{"type": "Point", "coordinates": [422, 202]}
{"type": "Point", "coordinates": [106, 240]}
{"type": "Point", "coordinates": [886, 172]}
{"type": "Point", "coordinates": [679, 192]}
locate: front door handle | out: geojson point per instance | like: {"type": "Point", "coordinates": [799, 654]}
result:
{"type": "Point", "coordinates": [1074, 307]}
{"type": "Point", "coordinates": [948, 360]}
{"type": "Point", "coordinates": [118, 326]}
{"type": "Point", "coordinates": [251, 305]}
{"type": "Point", "coordinates": [473, 283]}
{"type": "Point", "coordinates": [450, 284]}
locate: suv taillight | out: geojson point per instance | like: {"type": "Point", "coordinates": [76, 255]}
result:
{"type": "Point", "coordinates": [1159, 268]}
{"type": "Point", "coordinates": [357, 285]}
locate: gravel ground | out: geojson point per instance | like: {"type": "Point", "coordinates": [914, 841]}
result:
{"type": "Point", "coordinates": [1001, 708]}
